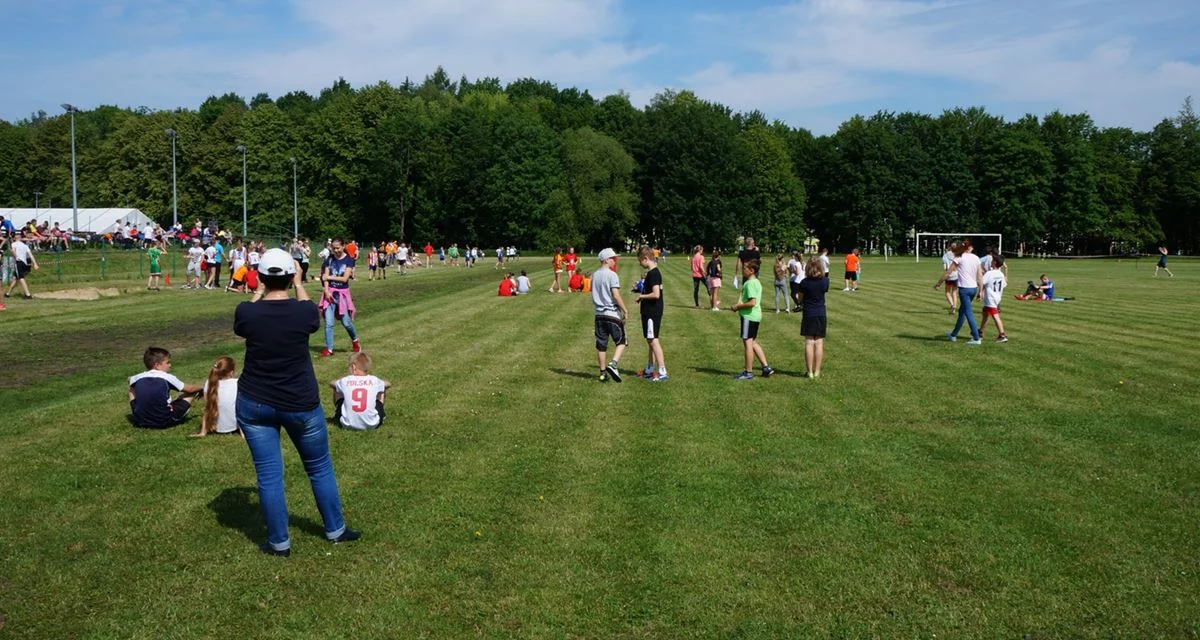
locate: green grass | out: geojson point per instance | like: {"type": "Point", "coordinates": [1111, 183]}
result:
{"type": "Point", "coordinates": [1044, 488]}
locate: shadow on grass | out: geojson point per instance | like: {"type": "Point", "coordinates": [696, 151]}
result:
{"type": "Point", "coordinates": [716, 372]}
{"type": "Point", "coordinates": [573, 374]}
{"type": "Point", "coordinates": [235, 509]}
{"type": "Point", "coordinates": [922, 338]}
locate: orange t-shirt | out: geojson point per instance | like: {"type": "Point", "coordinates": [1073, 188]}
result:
{"type": "Point", "coordinates": [852, 262]}
{"type": "Point", "coordinates": [558, 262]}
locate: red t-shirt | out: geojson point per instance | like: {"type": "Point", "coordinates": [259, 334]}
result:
{"type": "Point", "coordinates": [576, 282]}
{"type": "Point", "coordinates": [571, 260]}
{"type": "Point", "coordinates": [428, 249]}
{"type": "Point", "coordinates": [506, 287]}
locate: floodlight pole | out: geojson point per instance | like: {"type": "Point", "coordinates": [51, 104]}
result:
{"type": "Point", "coordinates": [74, 190]}
{"type": "Point", "coordinates": [36, 196]}
{"type": "Point", "coordinates": [295, 203]}
{"type": "Point", "coordinates": [242, 148]}
{"type": "Point", "coordinates": [174, 193]}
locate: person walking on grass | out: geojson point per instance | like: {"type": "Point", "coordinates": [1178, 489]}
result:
{"type": "Point", "coordinates": [781, 285]}
{"type": "Point", "coordinates": [154, 254]}
{"type": "Point", "coordinates": [610, 315]}
{"type": "Point", "coordinates": [750, 252]}
{"type": "Point", "coordinates": [811, 294]}
{"type": "Point", "coordinates": [24, 262]}
{"type": "Point", "coordinates": [714, 280]}
{"type": "Point", "coordinates": [993, 292]}
{"type": "Point", "coordinates": [651, 302]}
{"type": "Point", "coordinates": [951, 280]}
{"type": "Point", "coordinates": [278, 392]}
{"type": "Point", "coordinates": [1162, 262]}
{"type": "Point", "coordinates": [750, 311]}
{"type": "Point", "coordinates": [852, 263]}
{"type": "Point", "coordinates": [966, 267]}
{"type": "Point", "coordinates": [336, 302]}
{"type": "Point", "coordinates": [556, 263]}
{"type": "Point", "coordinates": [698, 274]}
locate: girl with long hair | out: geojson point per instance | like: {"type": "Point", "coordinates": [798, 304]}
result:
{"type": "Point", "coordinates": [220, 399]}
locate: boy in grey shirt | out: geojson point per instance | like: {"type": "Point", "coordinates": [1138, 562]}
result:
{"type": "Point", "coordinates": [610, 315]}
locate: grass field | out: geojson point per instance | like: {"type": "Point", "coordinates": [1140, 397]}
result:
{"type": "Point", "coordinates": [1043, 488]}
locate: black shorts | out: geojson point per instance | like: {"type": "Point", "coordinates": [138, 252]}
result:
{"type": "Point", "coordinates": [812, 326]}
{"type": "Point", "coordinates": [749, 329]}
{"type": "Point", "coordinates": [609, 328]}
{"type": "Point", "coordinates": [178, 414]}
{"type": "Point", "coordinates": [794, 287]}
{"type": "Point", "coordinates": [652, 326]}
{"type": "Point", "coordinates": [22, 269]}
{"type": "Point", "coordinates": [852, 276]}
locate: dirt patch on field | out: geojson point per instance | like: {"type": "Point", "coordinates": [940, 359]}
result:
{"type": "Point", "coordinates": [63, 353]}
{"type": "Point", "coordinates": [84, 294]}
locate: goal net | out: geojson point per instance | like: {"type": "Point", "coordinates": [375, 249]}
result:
{"type": "Point", "coordinates": [934, 244]}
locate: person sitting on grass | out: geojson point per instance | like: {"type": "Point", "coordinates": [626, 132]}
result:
{"type": "Point", "coordinates": [508, 288]}
{"type": "Point", "coordinates": [365, 392]}
{"type": "Point", "coordinates": [524, 286]}
{"type": "Point", "coordinates": [150, 393]}
{"type": "Point", "coordinates": [220, 399]}
{"type": "Point", "coordinates": [575, 282]}
{"type": "Point", "coordinates": [1042, 290]}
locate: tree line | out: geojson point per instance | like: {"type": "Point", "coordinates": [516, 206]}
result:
{"type": "Point", "coordinates": [532, 165]}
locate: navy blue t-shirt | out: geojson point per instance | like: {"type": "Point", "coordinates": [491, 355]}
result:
{"type": "Point", "coordinates": [337, 268]}
{"type": "Point", "coordinates": [277, 369]}
{"type": "Point", "coordinates": [814, 290]}
{"type": "Point", "coordinates": [152, 398]}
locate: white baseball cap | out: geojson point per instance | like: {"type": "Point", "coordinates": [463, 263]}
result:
{"type": "Point", "coordinates": [276, 262]}
{"type": "Point", "coordinates": [607, 254]}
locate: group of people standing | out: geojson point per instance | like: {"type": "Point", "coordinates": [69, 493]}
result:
{"type": "Point", "coordinates": [610, 312]}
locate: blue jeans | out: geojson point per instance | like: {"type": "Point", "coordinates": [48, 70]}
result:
{"type": "Point", "coordinates": [965, 312]}
{"type": "Point", "coordinates": [330, 318]}
{"type": "Point", "coordinates": [261, 424]}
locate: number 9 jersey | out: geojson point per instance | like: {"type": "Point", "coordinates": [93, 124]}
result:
{"type": "Point", "coordinates": [360, 403]}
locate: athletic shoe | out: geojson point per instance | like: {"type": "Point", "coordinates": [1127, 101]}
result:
{"type": "Point", "coordinates": [767, 371]}
{"type": "Point", "coordinates": [269, 550]}
{"type": "Point", "coordinates": [325, 353]}
{"type": "Point", "coordinates": [28, 297]}
{"type": "Point", "coordinates": [953, 338]}
{"type": "Point", "coordinates": [745, 375]}
{"type": "Point", "coordinates": [603, 376]}
{"type": "Point", "coordinates": [660, 377]}
{"type": "Point", "coordinates": [349, 535]}
{"type": "Point", "coordinates": [975, 341]}
{"type": "Point", "coordinates": [354, 346]}
{"type": "Point", "coordinates": [846, 289]}
{"type": "Point", "coordinates": [613, 372]}
{"type": "Point", "coordinates": [646, 373]}
{"type": "Point", "coordinates": [3, 308]}
{"type": "Point", "coordinates": [1002, 338]}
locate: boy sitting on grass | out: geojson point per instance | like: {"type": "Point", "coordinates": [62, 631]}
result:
{"type": "Point", "coordinates": [150, 393]}
{"type": "Point", "coordinates": [365, 395]}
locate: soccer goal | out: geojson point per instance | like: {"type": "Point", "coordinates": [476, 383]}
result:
{"type": "Point", "coordinates": [934, 244]}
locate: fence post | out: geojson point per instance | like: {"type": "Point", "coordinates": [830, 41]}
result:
{"type": "Point", "coordinates": [103, 260]}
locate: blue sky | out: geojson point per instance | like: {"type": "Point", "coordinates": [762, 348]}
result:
{"type": "Point", "coordinates": [811, 63]}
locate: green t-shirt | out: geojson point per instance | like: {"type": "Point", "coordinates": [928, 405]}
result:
{"type": "Point", "coordinates": [453, 252]}
{"type": "Point", "coordinates": [752, 288]}
{"type": "Point", "coordinates": [154, 253]}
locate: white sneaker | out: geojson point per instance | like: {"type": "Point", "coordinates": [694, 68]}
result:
{"type": "Point", "coordinates": [846, 289]}
{"type": "Point", "coordinates": [975, 341]}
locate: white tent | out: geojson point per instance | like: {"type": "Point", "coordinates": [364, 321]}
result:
{"type": "Point", "coordinates": [90, 220]}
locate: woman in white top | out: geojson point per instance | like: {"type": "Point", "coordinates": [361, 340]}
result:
{"type": "Point", "coordinates": [967, 267]}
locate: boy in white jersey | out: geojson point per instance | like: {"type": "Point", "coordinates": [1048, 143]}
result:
{"type": "Point", "coordinates": [993, 291]}
{"type": "Point", "coordinates": [358, 397]}
{"type": "Point", "coordinates": [195, 255]}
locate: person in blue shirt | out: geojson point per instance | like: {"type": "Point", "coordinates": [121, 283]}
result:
{"type": "Point", "coordinates": [1046, 288]}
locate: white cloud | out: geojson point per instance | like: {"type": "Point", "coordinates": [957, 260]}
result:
{"type": "Point", "coordinates": [187, 54]}
{"type": "Point", "coordinates": [1051, 54]}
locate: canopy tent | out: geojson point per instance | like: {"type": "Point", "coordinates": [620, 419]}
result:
{"type": "Point", "coordinates": [90, 220]}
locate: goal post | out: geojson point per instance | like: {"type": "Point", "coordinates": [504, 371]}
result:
{"type": "Point", "coordinates": [940, 246]}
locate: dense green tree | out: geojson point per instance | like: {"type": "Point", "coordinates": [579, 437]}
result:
{"type": "Point", "coordinates": [600, 191]}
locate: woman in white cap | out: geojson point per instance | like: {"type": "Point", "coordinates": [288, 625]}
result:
{"type": "Point", "coordinates": [278, 390]}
